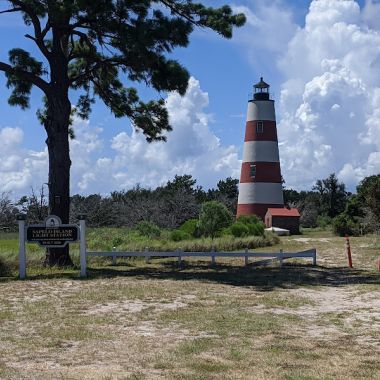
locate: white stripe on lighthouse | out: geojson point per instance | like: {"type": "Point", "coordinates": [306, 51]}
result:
{"type": "Point", "coordinates": [260, 151]}
{"type": "Point", "coordinates": [260, 192]}
{"type": "Point", "coordinates": [261, 110]}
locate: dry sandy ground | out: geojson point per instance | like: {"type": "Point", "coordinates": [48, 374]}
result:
{"type": "Point", "coordinates": [139, 337]}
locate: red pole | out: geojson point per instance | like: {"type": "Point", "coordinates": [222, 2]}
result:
{"type": "Point", "coordinates": [348, 248]}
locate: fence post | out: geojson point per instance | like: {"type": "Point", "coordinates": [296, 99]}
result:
{"type": "Point", "coordinates": [212, 255]}
{"type": "Point", "coordinates": [146, 256]}
{"type": "Point", "coordinates": [82, 245]}
{"type": "Point", "coordinates": [114, 256]}
{"type": "Point", "coordinates": [246, 257]}
{"type": "Point", "coordinates": [179, 257]}
{"type": "Point", "coordinates": [21, 246]}
{"type": "Point", "coordinates": [281, 257]}
{"type": "Point", "coordinates": [315, 257]}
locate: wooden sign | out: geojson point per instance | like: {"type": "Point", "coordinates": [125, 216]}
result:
{"type": "Point", "coordinates": [53, 233]}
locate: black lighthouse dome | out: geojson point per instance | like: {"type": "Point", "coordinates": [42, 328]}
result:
{"type": "Point", "coordinates": [261, 90]}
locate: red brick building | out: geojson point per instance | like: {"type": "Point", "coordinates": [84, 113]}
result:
{"type": "Point", "coordinates": [288, 218]}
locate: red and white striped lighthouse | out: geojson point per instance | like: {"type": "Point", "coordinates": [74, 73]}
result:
{"type": "Point", "coordinates": [260, 180]}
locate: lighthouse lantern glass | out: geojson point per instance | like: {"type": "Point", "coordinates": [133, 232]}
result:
{"type": "Point", "coordinates": [261, 90]}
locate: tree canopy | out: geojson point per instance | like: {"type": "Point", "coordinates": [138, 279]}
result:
{"type": "Point", "coordinates": [369, 193]}
{"type": "Point", "coordinates": [100, 47]}
{"type": "Point", "coordinates": [333, 195]}
{"type": "Point", "coordinates": [91, 50]}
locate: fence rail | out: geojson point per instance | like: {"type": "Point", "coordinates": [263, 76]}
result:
{"type": "Point", "coordinates": [280, 256]}
{"type": "Point", "coordinates": [84, 254]}
{"type": "Point", "coordinates": [312, 253]}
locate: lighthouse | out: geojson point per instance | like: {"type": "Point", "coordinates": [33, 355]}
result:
{"type": "Point", "coordinates": [260, 185]}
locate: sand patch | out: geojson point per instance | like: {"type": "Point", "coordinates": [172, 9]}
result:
{"type": "Point", "coordinates": [308, 240]}
{"type": "Point", "coordinates": [334, 313]}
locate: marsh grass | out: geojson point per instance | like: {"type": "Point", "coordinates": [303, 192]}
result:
{"type": "Point", "coordinates": [125, 239]}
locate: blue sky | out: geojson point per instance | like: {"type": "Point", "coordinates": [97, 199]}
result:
{"type": "Point", "coordinates": [321, 58]}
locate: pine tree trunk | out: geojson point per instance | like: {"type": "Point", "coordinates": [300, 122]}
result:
{"type": "Point", "coordinates": [57, 128]}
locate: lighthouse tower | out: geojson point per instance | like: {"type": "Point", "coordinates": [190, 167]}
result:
{"type": "Point", "coordinates": [260, 180]}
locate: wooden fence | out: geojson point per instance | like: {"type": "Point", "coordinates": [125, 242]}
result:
{"type": "Point", "coordinates": [180, 255]}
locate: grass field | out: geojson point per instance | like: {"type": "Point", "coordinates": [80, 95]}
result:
{"type": "Point", "coordinates": [156, 321]}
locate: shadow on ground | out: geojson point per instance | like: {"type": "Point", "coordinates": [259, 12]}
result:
{"type": "Point", "coordinates": [264, 278]}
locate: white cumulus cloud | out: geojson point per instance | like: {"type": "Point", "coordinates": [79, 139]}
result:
{"type": "Point", "coordinates": [191, 148]}
{"type": "Point", "coordinates": [100, 166]}
{"type": "Point", "coordinates": [329, 109]}
{"type": "Point", "coordinates": [19, 167]}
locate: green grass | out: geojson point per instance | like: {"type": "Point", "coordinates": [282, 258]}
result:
{"type": "Point", "coordinates": [123, 239]}
{"type": "Point", "coordinates": [126, 239]}
{"type": "Point", "coordinates": [142, 321]}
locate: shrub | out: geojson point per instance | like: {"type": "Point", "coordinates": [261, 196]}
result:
{"type": "Point", "coordinates": [225, 231]}
{"type": "Point", "coordinates": [148, 229]}
{"type": "Point", "coordinates": [344, 225]}
{"type": "Point", "coordinates": [179, 235]}
{"type": "Point", "coordinates": [323, 221]}
{"type": "Point", "coordinates": [253, 223]}
{"type": "Point", "coordinates": [190, 227]}
{"type": "Point", "coordinates": [239, 229]}
{"type": "Point", "coordinates": [214, 216]}
{"type": "Point", "coordinates": [248, 219]}
{"type": "Point", "coordinates": [256, 229]}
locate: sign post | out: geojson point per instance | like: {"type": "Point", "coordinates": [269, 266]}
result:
{"type": "Point", "coordinates": [82, 245]}
{"type": "Point", "coordinates": [21, 246]}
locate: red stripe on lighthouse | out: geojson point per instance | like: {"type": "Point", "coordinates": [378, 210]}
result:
{"type": "Point", "coordinates": [262, 172]}
{"type": "Point", "coordinates": [269, 131]}
{"type": "Point", "coordinates": [257, 209]}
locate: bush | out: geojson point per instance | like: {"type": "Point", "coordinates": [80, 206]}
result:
{"type": "Point", "coordinates": [323, 221]}
{"type": "Point", "coordinates": [239, 229]}
{"type": "Point", "coordinates": [248, 219]}
{"type": "Point", "coordinates": [148, 229]}
{"type": "Point", "coordinates": [179, 235]}
{"type": "Point", "coordinates": [225, 232]}
{"type": "Point", "coordinates": [214, 216]}
{"type": "Point", "coordinates": [256, 229]}
{"type": "Point", "coordinates": [190, 227]}
{"type": "Point", "coordinates": [253, 223]}
{"type": "Point", "coordinates": [345, 225]}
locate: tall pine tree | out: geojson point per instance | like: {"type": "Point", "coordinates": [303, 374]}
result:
{"type": "Point", "coordinates": [99, 48]}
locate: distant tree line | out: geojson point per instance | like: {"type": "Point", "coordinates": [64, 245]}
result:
{"type": "Point", "coordinates": [328, 203]}
{"type": "Point", "coordinates": [166, 206]}
{"type": "Point", "coordinates": [180, 199]}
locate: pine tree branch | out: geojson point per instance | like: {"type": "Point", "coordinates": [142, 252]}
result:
{"type": "Point", "coordinates": [29, 77]}
{"type": "Point", "coordinates": [39, 37]}
{"type": "Point", "coordinates": [11, 10]}
{"type": "Point", "coordinates": [178, 12]}
{"type": "Point", "coordinates": [46, 29]}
